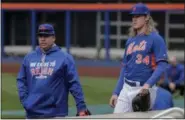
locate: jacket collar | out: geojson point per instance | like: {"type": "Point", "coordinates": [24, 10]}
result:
{"type": "Point", "coordinates": [54, 48]}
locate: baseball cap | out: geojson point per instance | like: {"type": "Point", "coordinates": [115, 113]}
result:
{"type": "Point", "coordinates": [140, 9]}
{"type": "Point", "coordinates": [46, 29]}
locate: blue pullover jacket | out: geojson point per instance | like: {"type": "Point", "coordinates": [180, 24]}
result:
{"type": "Point", "coordinates": [44, 82]}
{"type": "Point", "coordinates": [176, 73]}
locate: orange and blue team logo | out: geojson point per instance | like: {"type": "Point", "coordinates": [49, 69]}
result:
{"type": "Point", "coordinates": [133, 48]}
{"type": "Point", "coordinates": [139, 57]}
{"type": "Point", "coordinates": [42, 70]}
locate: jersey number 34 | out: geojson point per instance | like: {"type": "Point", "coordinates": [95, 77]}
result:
{"type": "Point", "coordinates": [140, 59]}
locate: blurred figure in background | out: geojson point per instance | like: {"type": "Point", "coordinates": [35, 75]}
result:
{"type": "Point", "coordinates": [175, 75]}
{"type": "Point", "coordinates": [164, 82]}
{"type": "Point", "coordinates": [173, 78]}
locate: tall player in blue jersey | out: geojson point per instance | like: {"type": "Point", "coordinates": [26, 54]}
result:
{"type": "Point", "coordinates": [144, 61]}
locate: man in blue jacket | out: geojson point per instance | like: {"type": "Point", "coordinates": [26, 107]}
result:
{"type": "Point", "coordinates": [46, 77]}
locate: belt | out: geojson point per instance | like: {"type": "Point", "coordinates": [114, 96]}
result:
{"type": "Point", "coordinates": [131, 83]}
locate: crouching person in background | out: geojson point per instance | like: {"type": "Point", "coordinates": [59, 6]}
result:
{"type": "Point", "coordinates": [164, 82]}
{"type": "Point", "coordinates": [46, 77]}
{"type": "Point", "coordinates": [175, 74]}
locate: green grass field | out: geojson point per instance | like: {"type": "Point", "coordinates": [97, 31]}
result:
{"type": "Point", "coordinates": [97, 92]}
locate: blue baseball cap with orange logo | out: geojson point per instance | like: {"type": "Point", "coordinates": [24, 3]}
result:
{"type": "Point", "coordinates": [140, 9]}
{"type": "Point", "coordinates": [46, 29]}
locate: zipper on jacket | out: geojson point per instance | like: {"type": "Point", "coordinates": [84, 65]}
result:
{"type": "Point", "coordinates": [42, 63]}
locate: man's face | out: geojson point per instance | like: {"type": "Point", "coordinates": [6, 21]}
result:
{"type": "Point", "coordinates": [138, 21]}
{"type": "Point", "coordinates": [173, 61]}
{"type": "Point", "coordinates": [46, 41]}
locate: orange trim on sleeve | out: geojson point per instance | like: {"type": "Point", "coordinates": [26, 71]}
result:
{"type": "Point", "coordinates": [153, 62]}
{"type": "Point", "coordinates": [68, 6]}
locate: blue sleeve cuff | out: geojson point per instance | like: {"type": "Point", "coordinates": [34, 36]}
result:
{"type": "Point", "coordinates": [81, 107]}
{"type": "Point", "coordinates": [115, 93]}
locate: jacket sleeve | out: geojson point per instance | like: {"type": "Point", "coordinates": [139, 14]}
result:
{"type": "Point", "coordinates": [166, 80]}
{"type": "Point", "coordinates": [74, 85]}
{"type": "Point", "coordinates": [169, 73]}
{"type": "Point", "coordinates": [180, 80]}
{"type": "Point", "coordinates": [22, 83]}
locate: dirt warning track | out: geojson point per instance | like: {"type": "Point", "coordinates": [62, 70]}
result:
{"type": "Point", "coordinates": [95, 71]}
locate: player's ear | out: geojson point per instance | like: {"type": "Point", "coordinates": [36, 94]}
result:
{"type": "Point", "coordinates": [54, 38]}
{"type": "Point", "coordinates": [147, 17]}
